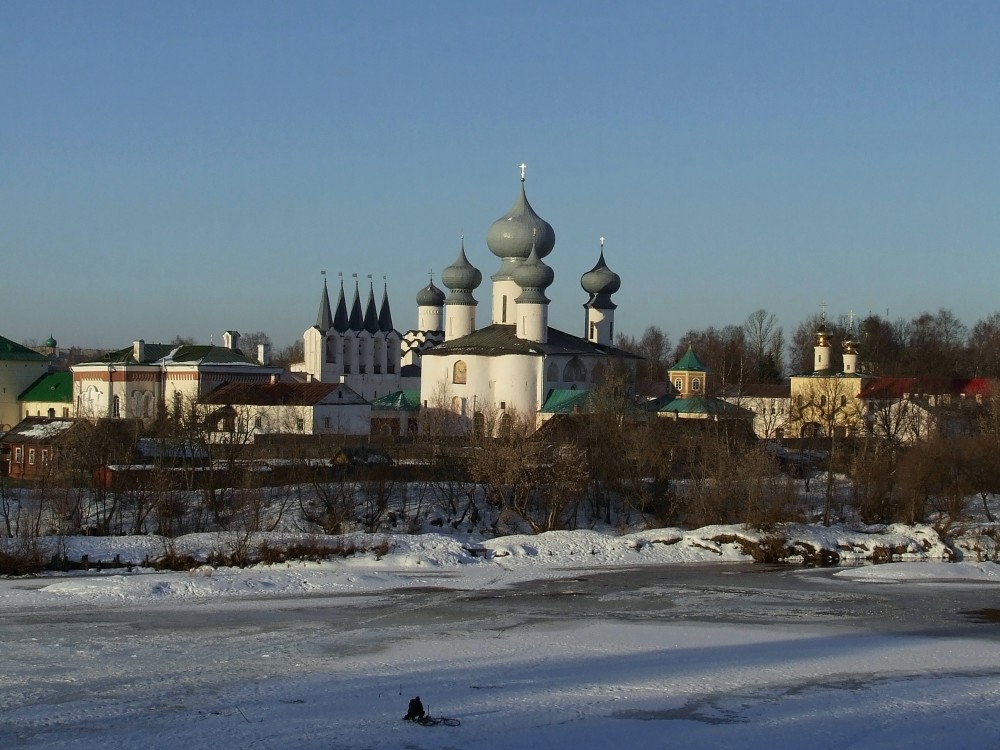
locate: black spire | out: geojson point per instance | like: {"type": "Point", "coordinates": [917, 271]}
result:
{"type": "Point", "coordinates": [340, 323]}
{"type": "Point", "coordinates": [371, 314]}
{"type": "Point", "coordinates": [357, 320]}
{"type": "Point", "coordinates": [384, 316]}
{"type": "Point", "coordinates": [324, 320]}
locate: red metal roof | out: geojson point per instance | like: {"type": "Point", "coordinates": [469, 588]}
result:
{"type": "Point", "coordinates": [893, 388]}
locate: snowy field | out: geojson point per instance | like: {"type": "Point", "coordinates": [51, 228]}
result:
{"type": "Point", "coordinates": [524, 642]}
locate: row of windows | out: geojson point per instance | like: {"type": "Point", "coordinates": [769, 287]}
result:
{"type": "Point", "coordinates": [695, 384]}
{"type": "Point", "coordinates": [51, 413]}
{"type": "Point", "coordinates": [338, 351]}
{"type": "Point", "coordinates": [573, 371]}
{"type": "Point", "coordinates": [823, 401]}
{"type": "Point", "coordinates": [19, 456]}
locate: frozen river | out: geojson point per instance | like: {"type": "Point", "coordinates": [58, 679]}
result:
{"type": "Point", "coordinates": [600, 648]}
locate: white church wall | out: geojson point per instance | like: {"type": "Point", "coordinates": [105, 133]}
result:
{"type": "Point", "coordinates": [505, 291]}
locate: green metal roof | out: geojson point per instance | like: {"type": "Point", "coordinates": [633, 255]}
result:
{"type": "Point", "coordinates": [690, 363]}
{"type": "Point", "coordinates": [183, 354]}
{"type": "Point", "coordinates": [399, 401]}
{"type": "Point", "coordinates": [696, 405]}
{"type": "Point", "coordinates": [565, 401]}
{"type": "Point", "coordinates": [51, 387]}
{"type": "Point", "coordinates": [12, 351]}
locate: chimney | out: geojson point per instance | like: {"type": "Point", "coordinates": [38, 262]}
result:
{"type": "Point", "coordinates": [138, 350]}
{"type": "Point", "coordinates": [231, 339]}
{"type": "Point", "coordinates": [274, 378]}
{"type": "Point", "coordinates": [264, 354]}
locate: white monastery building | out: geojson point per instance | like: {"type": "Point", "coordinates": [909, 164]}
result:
{"type": "Point", "coordinates": [517, 362]}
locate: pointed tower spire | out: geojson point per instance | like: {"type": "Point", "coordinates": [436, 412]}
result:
{"type": "Point", "coordinates": [384, 315]}
{"type": "Point", "coordinates": [600, 282]}
{"type": "Point", "coordinates": [340, 322]}
{"type": "Point", "coordinates": [371, 313]}
{"type": "Point", "coordinates": [324, 319]}
{"type": "Point", "coordinates": [462, 278]}
{"type": "Point", "coordinates": [357, 320]}
{"type": "Point", "coordinates": [850, 349]}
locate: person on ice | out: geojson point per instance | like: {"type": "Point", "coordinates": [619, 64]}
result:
{"type": "Point", "coordinates": [415, 711]}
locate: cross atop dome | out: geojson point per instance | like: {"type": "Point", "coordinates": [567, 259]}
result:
{"type": "Point", "coordinates": [523, 167]}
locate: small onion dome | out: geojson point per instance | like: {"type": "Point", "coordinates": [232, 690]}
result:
{"type": "Point", "coordinates": [600, 279]}
{"type": "Point", "coordinates": [461, 275]}
{"type": "Point", "coordinates": [822, 337]}
{"type": "Point", "coordinates": [849, 346]}
{"type": "Point", "coordinates": [513, 235]}
{"type": "Point", "coordinates": [533, 273]}
{"type": "Point", "coordinates": [430, 296]}
{"type": "Point", "coordinates": [50, 342]}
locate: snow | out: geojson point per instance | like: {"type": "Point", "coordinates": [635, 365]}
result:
{"type": "Point", "coordinates": [45, 430]}
{"type": "Point", "coordinates": [199, 663]}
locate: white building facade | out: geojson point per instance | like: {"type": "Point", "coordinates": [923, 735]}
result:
{"type": "Point", "coordinates": [512, 365]}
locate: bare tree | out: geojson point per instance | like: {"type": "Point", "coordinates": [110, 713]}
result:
{"type": "Point", "coordinates": [654, 348]}
{"type": "Point", "coordinates": [984, 348]}
{"type": "Point", "coordinates": [765, 344]}
{"type": "Point", "coordinates": [827, 407]}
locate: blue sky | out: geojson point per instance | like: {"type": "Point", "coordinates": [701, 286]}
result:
{"type": "Point", "coordinates": [188, 167]}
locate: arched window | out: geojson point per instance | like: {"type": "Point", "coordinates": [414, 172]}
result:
{"type": "Point", "coordinates": [597, 375]}
{"type": "Point", "coordinates": [89, 402]}
{"type": "Point", "coordinates": [552, 372]}
{"type": "Point", "coordinates": [695, 384]}
{"type": "Point", "coordinates": [574, 371]}
{"type": "Point", "coordinates": [378, 355]}
{"type": "Point", "coordinates": [332, 345]}
{"type": "Point", "coordinates": [116, 408]}
{"type": "Point", "coordinates": [394, 353]}
{"type": "Point", "coordinates": [350, 354]}
{"type": "Point", "coordinates": [364, 353]}
{"type": "Point", "coordinates": [678, 384]}
{"type": "Point", "coordinates": [459, 373]}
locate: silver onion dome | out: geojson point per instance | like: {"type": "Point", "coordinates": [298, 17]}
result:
{"type": "Point", "coordinates": [461, 275]}
{"type": "Point", "coordinates": [532, 273]}
{"type": "Point", "coordinates": [600, 279]}
{"type": "Point", "coordinates": [430, 296]}
{"type": "Point", "coordinates": [513, 235]}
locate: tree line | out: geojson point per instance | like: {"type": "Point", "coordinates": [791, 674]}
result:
{"type": "Point", "coordinates": [929, 345]}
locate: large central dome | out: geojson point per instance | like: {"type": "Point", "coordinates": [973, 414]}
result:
{"type": "Point", "coordinates": [513, 235]}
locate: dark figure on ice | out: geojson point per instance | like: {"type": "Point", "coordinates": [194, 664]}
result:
{"type": "Point", "coordinates": [415, 711]}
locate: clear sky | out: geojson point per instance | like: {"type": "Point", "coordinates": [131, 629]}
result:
{"type": "Point", "coordinates": [190, 167]}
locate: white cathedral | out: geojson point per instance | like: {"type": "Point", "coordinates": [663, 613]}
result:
{"type": "Point", "coordinates": [515, 365]}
